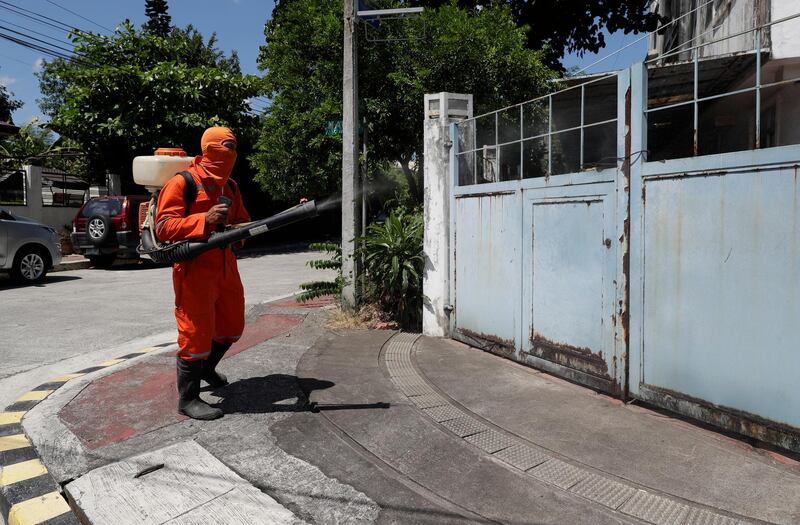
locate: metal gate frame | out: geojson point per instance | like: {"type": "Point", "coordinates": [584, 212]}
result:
{"type": "Point", "coordinates": [608, 185]}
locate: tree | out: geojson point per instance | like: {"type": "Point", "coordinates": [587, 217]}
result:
{"type": "Point", "coordinates": [7, 104]}
{"type": "Point", "coordinates": [448, 49]}
{"type": "Point", "coordinates": [158, 19]}
{"type": "Point", "coordinates": [36, 145]}
{"type": "Point", "coordinates": [559, 26]}
{"type": "Point", "coordinates": [129, 93]}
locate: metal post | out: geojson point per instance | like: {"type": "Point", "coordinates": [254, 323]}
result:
{"type": "Point", "coordinates": [521, 142]}
{"type": "Point", "coordinates": [758, 88]}
{"type": "Point", "coordinates": [696, 121]}
{"type": "Point", "coordinates": [496, 147]}
{"type": "Point", "coordinates": [583, 101]}
{"type": "Point", "coordinates": [351, 209]}
{"type": "Point", "coordinates": [549, 135]}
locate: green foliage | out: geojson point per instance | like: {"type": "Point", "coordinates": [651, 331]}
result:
{"type": "Point", "coordinates": [8, 104]}
{"type": "Point", "coordinates": [315, 289]}
{"type": "Point", "coordinates": [36, 145]}
{"type": "Point", "coordinates": [158, 19]}
{"type": "Point", "coordinates": [559, 26]}
{"type": "Point", "coordinates": [447, 49]}
{"type": "Point", "coordinates": [394, 262]}
{"type": "Point", "coordinates": [134, 91]}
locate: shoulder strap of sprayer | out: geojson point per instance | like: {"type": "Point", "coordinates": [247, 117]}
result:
{"type": "Point", "coordinates": [190, 189]}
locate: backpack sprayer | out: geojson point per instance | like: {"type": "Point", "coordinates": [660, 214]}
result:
{"type": "Point", "coordinates": [153, 172]}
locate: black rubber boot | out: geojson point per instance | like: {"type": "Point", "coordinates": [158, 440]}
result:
{"type": "Point", "coordinates": [189, 402]}
{"type": "Point", "coordinates": [210, 374]}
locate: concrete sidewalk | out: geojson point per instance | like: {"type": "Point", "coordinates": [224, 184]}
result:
{"type": "Point", "coordinates": [375, 426]}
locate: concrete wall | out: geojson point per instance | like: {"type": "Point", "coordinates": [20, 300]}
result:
{"type": "Point", "coordinates": [54, 216]}
{"type": "Point", "coordinates": [786, 35]}
{"type": "Point", "coordinates": [728, 17]}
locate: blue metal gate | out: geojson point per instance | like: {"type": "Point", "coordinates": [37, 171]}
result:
{"type": "Point", "coordinates": [668, 271]}
{"type": "Point", "coordinates": [536, 231]}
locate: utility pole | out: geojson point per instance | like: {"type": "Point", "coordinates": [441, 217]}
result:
{"type": "Point", "coordinates": [351, 207]}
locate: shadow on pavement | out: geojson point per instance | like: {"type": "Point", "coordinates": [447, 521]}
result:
{"type": "Point", "coordinates": [142, 264]}
{"type": "Point", "coordinates": [278, 393]}
{"type": "Point", "coordinates": [6, 283]}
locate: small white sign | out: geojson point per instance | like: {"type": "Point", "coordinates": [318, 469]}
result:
{"type": "Point", "coordinates": [259, 230]}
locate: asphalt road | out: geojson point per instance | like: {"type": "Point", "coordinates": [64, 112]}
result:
{"type": "Point", "coordinates": [76, 318]}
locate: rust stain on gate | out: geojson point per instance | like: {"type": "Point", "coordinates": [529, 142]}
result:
{"type": "Point", "coordinates": [575, 357]}
{"type": "Point", "coordinates": [489, 343]}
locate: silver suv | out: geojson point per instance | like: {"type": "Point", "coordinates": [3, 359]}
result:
{"type": "Point", "coordinates": [28, 249]}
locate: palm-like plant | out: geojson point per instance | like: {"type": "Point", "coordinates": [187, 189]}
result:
{"type": "Point", "coordinates": [394, 261]}
{"type": "Point", "coordinates": [315, 289]}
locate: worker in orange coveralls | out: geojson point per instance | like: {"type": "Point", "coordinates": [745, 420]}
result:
{"type": "Point", "coordinates": [209, 298]}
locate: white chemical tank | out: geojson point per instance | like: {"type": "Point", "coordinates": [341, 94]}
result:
{"type": "Point", "coordinates": [153, 171]}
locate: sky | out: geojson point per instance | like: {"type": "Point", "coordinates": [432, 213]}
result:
{"type": "Point", "coordinates": [239, 25]}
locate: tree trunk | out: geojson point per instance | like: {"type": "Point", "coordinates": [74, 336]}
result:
{"type": "Point", "coordinates": [413, 184]}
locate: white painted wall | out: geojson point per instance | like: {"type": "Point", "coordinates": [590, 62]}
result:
{"type": "Point", "coordinates": [786, 35]}
{"type": "Point", "coordinates": [440, 112]}
{"type": "Point", "coordinates": [54, 216]}
{"type": "Point", "coordinates": [719, 19]}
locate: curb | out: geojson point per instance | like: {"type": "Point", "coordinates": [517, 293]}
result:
{"type": "Point", "coordinates": [28, 493]}
{"type": "Point", "coordinates": [72, 265]}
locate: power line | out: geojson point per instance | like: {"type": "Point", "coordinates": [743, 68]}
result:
{"type": "Point", "coordinates": [36, 39]}
{"type": "Point", "coordinates": [50, 51]}
{"type": "Point", "coordinates": [80, 16]}
{"type": "Point", "coordinates": [37, 17]}
{"type": "Point", "coordinates": [35, 47]}
{"type": "Point", "coordinates": [35, 32]}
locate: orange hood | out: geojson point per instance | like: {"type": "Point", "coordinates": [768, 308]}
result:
{"type": "Point", "coordinates": [216, 161]}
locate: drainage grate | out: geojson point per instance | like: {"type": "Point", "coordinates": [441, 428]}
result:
{"type": "Point", "coordinates": [491, 441]}
{"type": "Point", "coordinates": [522, 456]}
{"type": "Point", "coordinates": [655, 509]}
{"type": "Point", "coordinates": [464, 426]}
{"type": "Point", "coordinates": [541, 465]}
{"type": "Point", "coordinates": [444, 413]}
{"type": "Point", "coordinates": [559, 473]}
{"type": "Point", "coordinates": [429, 401]}
{"type": "Point", "coordinates": [604, 491]}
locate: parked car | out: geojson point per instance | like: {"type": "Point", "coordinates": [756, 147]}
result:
{"type": "Point", "coordinates": [28, 249]}
{"type": "Point", "coordinates": [108, 227]}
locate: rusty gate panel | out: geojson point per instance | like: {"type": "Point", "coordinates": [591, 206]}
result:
{"type": "Point", "coordinates": [721, 289]}
{"type": "Point", "coordinates": [487, 260]}
{"type": "Point", "coordinates": [569, 292]}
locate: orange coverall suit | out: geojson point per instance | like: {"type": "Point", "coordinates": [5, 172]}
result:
{"type": "Point", "coordinates": [209, 297]}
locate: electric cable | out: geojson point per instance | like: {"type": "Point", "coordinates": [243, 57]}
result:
{"type": "Point", "coordinates": [35, 47]}
{"type": "Point", "coordinates": [34, 32]}
{"type": "Point", "coordinates": [35, 39]}
{"type": "Point", "coordinates": [37, 17]}
{"type": "Point", "coordinates": [80, 16]}
{"type": "Point", "coordinates": [46, 50]}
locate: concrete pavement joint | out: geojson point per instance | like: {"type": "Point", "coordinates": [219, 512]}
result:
{"type": "Point", "coordinates": [28, 493]}
{"type": "Point", "coordinates": [539, 463]}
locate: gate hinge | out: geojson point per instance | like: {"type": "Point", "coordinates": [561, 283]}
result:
{"type": "Point", "coordinates": [448, 308]}
{"type": "Point", "coordinates": [448, 144]}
